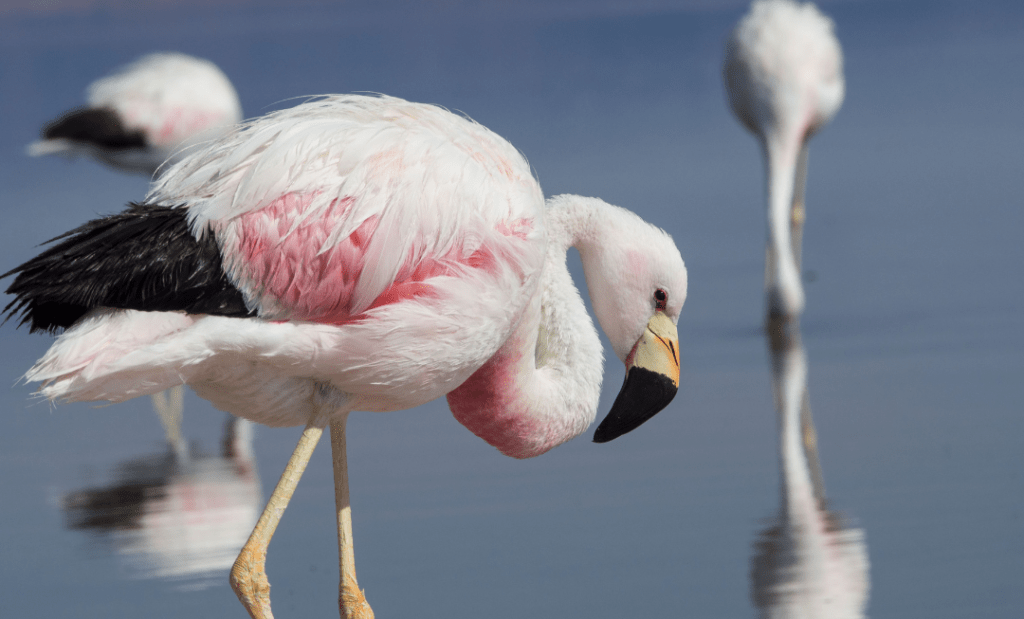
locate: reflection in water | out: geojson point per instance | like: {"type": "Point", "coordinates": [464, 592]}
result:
{"type": "Point", "coordinates": [176, 515]}
{"type": "Point", "coordinates": [806, 564]}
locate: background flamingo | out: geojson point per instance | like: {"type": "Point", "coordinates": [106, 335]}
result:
{"type": "Point", "coordinates": [359, 253]}
{"type": "Point", "coordinates": [784, 77]}
{"type": "Point", "coordinates": [146, 112]}
{"type": "Point", "coordinates": [138, 117]}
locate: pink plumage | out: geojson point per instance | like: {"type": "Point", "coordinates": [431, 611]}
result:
{"type": "Point", "coordinates": [363, 253]}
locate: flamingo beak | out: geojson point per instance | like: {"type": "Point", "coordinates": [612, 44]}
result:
{"type": "Point", "coordinates": [652, 379]}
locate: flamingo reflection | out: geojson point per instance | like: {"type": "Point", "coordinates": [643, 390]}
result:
{"type": "Point", "coordinates": [807, 563]}
{"type": "Point", "coordinates": [177, 515]}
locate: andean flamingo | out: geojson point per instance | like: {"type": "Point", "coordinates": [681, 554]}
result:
{"type": "Point", "coordinates": [360, 253]}
{"type": "Point", "coordinates": [138, 117]}
{"type": "Point", "coordinates": [784, 77]}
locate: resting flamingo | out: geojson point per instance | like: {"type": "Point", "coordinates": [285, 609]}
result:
{"type": "Point", "coordinates": [784, 77]}
{"type": "Point", "coordinates": [360, 253]}
{"type": "Point", "coordinates": [146, 112]}
{"type": "Point", "coordinates": [136, 118]}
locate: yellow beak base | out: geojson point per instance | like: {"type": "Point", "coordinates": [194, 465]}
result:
{"type": "Point", "coordinates": [652, 380]}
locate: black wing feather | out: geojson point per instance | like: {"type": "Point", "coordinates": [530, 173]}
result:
{"type": "Point", "coordinates": [98, 126]}
{"type": "Point", "coordinates": [144, 258]}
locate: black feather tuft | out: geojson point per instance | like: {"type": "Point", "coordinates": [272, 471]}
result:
{"type": "Point", "coordinates": [97, 126]}
{"type": "Point", "coordinates": [144, 258]}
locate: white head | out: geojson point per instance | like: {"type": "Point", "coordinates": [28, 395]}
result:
{"type": "Point", "coordinates": [637, 283]}
{"type": "Point", "coordinates": [627, 261]}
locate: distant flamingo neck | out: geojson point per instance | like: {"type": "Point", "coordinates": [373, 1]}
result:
{"type": "Point", "coordinates": [782, 276]}
{"type": "Point", "coordinates": [542, 387]}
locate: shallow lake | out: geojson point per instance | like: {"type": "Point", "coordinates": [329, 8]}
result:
{"type": "Point", "coordinates": [913, 330]}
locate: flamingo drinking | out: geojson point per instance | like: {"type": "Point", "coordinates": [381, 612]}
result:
{"type": "Point", "coordinates": [784, 76]}
{"type": "Point", "coordinates": [360, 253]}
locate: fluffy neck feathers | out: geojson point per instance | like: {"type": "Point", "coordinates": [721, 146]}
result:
{"type": "Point", "coordinates": [542, 387]}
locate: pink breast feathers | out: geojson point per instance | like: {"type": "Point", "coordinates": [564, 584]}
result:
{"type": "Point", "coordinates": [288, 266]}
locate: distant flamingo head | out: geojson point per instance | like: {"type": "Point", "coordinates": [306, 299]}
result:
{"type": "Point", "coordinates": [637, 283]}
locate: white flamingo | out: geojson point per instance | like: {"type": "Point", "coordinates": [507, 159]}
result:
{"type": "Point", "coordinates": [146, 112]}
{"type": "Point", "coordinates": [136, 118]}
{"type": "Point", "coordinates": [784, 76]}
{"type": "Point", "coordinates": [360, 253]}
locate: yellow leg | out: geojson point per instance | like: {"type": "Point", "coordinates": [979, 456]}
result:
{"type": "Point", "coordinates": [249, 576]}
{"type": "Point", "coordinates": [352, 603]}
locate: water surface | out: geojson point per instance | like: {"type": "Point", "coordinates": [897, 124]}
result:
{"type": "Point", "coordinates": [912, 329]}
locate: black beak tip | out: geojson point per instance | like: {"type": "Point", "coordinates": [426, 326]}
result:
{"type": "Point", "coordinates": [643, 395]}
{"type": "Point", "coordinates": [605, 433]}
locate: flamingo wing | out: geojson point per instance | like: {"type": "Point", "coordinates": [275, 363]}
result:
{"type": "Point", "coordinates": [320, 213]}
{"type": "Point", "coordinates": [143, 258]}
{"type": "Point", "coordinates": [343, 204]}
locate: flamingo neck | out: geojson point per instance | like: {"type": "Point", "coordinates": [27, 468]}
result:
{"type": "Point", "coordinates": [782, 273]}
{"type": "Point", "coordinates": [542, 387]}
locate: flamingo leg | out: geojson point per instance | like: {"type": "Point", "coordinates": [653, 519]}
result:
{"type": "Point", "coordinates": [352, 603]}
{"type": "Point", "coordinates": [249, 576]}
{"type": "Point", "coordinates": [169, 406]}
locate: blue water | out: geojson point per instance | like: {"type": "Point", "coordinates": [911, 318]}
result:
{"type": "Point", "coordinates": [913, 324]}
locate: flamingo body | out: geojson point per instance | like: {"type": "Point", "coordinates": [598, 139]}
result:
{"type": "Point", "coordinates": [389, 249]}
{"type": "Point", "coordinates": [146, 112]}
{"type": "Point", "coordinates": [784, 78]}
{"type": "Point", "coordinates": [784, 69]}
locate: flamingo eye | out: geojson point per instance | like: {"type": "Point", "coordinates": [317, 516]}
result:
{"type": "Point", "coordinates": [660, 299]}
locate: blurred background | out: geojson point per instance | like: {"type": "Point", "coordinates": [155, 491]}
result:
{"type": "Point", "coordinates": [912, 330]}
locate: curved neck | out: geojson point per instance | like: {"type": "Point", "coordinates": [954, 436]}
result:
{"type": "Point", "coordinates": [542, 387]}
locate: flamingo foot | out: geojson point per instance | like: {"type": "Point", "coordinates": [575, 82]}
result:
{"type": "Point", "coordinates": [249, 574]}
{"type": "Point", "coordinates": [352, 604]}
{"type": "Point", "coordinates": [249, 581]}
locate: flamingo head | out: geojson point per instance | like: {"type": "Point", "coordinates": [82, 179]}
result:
{"type": "Point", "coordinates": [637, 283]}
